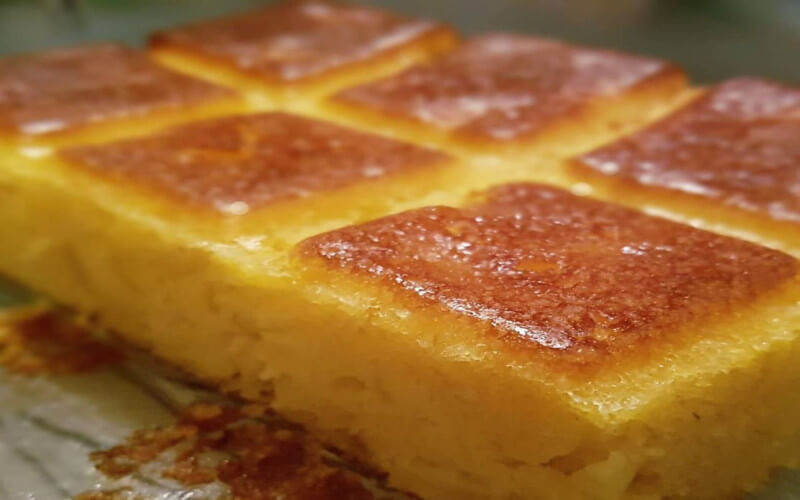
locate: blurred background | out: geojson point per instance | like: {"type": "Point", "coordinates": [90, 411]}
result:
{"type": "Point", "coordinates": [712, 39]}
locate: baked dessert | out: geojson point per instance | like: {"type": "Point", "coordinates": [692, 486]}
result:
{"type": "Point", "coordinates": [729, 157]}
{"type": "Point", "coordinates": [292, 176]}
{"type": "Point", "coordinates": [522, 342]}
{"type": "Point", "coordinates": [510, 93]}
{"type": "Point", "coordinates": [536, 344]}
{"type": "Point", "coordinates": [117, 218]}
{"type": "Point", "coordinates": [302, 48]}
{"type": "Point", "coordinates": [71, 94]}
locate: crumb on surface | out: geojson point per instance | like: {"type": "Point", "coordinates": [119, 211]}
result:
{"type": "Point", "coordinates": [254, 458]}
{"type": "Point", "coordinates": [36, 340]}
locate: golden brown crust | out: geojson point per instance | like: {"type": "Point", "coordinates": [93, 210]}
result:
{"type": "Point", "coordinates": [566, 275]}
{"type": "Point", "coordinates": [503, 87]}
{"type": "Point", "coordinates": [243, 162]}
{"type": "Point", "coordinates": [66, 89]}
{"type": "Point", "coordinates": [738, 145]}
{"type": "Point", "coordinates": [296, 41]}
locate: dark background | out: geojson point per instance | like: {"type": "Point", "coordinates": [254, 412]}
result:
{"type": "Point", "coordinates": [712, 39]}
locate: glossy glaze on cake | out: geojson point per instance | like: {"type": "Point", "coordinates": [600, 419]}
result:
{"type": "Point", "coordinates": [294, 41]}
{"type": "Point", "coordinates": [237, 163]}
{"type": "Point", "coordinates": [738, 145]}
{"type": "Point", "coordinates": [523, 343]}
{"type": "Point", "coordinates": [547, 269]}
{"type": "Point", "coordinates": [65, 89]}
{"type": "Point", "coordinates": [503, 87]}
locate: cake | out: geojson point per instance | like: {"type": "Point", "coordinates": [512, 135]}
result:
{"type": "Point", "coordinates": [553, 346]}
{"type": "Point", "coordinates": [301, 49]}
{"type": "Point", "coordinates": [70, 94]}
{"type": "Point", "coordinates": [502, 93]}
{"type": "Point", "coordinates": [290, 175]}
{"type": "Point", "coordinates": [729, 157]}
{"type": "Point", "coordinates": [123, 217]}
{"type": "Point", "coordinates": [298, 240]}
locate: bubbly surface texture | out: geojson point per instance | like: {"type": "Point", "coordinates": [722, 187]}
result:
{"type": "Point", "coordinates": [236, 163]}
{"type": "Point", "coordinates": [297, 40]}
{"type": "Point", "coordinates": [503, 86]}
{"type": "Point", "coordinates": [63, 89]}
{"type": "Point", "coordinates": [558, 272]}
{"type": "Point", "coordinates": [739, 145]}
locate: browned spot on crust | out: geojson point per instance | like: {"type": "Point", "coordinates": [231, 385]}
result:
{"type": "Point", "coordinates": [577, 278]}
{"type": "Point", "coordinates": [41, 340]}
{"type": "Point", "coordinates": [238, 163]}
{"type": "Point", "coordinates": [739, 145]}
{"type": "Point", "coordinates": [64, 89]}
{"type": "Point", "coordinates": [297, 40]}
{"type": "Point", "coordinates": [255, 459]}
{"type": "Point", "coordinates": [502, 86]}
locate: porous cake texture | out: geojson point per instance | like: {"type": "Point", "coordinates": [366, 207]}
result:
{"type": "Point", "coordinates": [161, 210]}
{"type": "Point", "coordinates": [339, 245]}
{"type": "Point", "coordinates": [590, 351]}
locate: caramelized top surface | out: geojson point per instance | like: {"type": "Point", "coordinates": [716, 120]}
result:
{"type": "Point", "coordinates": [236, 163]}
{"type": "Point", "coordinates": [573, 277]}
{"type": "Point", "coordinates": [62, 89]}
{"type": "Point", "coordinates": [296, 40]}
{"type": "Point", "coordinates": [503, 86]}
{"type": "Point", "coordinates": [739, 144]}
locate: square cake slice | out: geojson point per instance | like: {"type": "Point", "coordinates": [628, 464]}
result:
{"type": "Point", "coordinates": [536, 344]}
{"type": "Point", "coordinates": [729, 159]}
{"type": "Point", "coordinates": [302, 48]}
{"type": "Point", "coordinates": [96, 92]}
{"type": "Point", "coordinates": [500, 92]}
{"type": "Point", "coordinates": [289, 174]}
{"type": "Point", "coordinates": [154, 234]}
